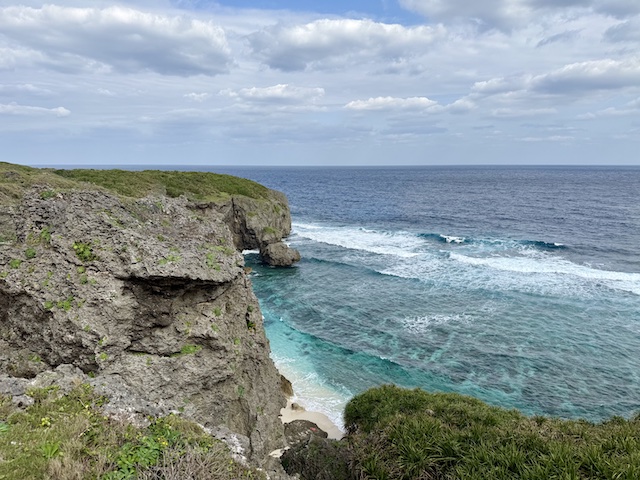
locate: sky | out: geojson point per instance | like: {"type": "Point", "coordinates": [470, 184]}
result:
{"type": "Point", "coordinates": [375, 82]}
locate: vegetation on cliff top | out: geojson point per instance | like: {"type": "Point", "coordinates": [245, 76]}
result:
{"type": "Point", "coordinates": [67, 437]}
{"type": "Point", "coordinates": [411, 434]}
{"type": "Point", "coordinates": [202, 186]}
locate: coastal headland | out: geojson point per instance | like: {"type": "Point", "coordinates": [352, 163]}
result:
{"type": "Point", "coordinates": [133, 283]}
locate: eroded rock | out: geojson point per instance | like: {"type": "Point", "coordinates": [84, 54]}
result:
{"type": "Point", "coordinates": [148, 300]}
{"type": "Point", "coordinates": [279, 254]}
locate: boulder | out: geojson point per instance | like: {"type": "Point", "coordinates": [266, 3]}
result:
{"type": "Point", "coordinates": [279, 254]}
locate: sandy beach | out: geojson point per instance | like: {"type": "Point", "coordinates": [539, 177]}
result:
{"type": "Point", "coordinates": [288, 414]}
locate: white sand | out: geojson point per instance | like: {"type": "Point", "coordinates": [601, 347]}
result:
{"type": "Point", "coordinates": [288, 414]}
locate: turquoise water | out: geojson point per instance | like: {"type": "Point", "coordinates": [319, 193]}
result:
{"type": "Point", "coordinates": [519, 286]}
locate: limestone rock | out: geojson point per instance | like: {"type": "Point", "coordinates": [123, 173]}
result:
{"type": "Point", "coordinates": [149, 298]}
{"type": "Point", "coordinates": [279, 254]}
{"type": "Point", "coordinates": [301, 431]}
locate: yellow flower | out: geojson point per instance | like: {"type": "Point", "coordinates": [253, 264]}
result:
{"type": "Point", "coordinates": [45, 422]}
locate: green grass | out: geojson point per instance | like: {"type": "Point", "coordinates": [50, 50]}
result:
{"type": "Point", "coordinates": [67, 437]}
{"type": "Point", "coordinates": [195, 185]}
{"type": "Point", "coordinates": [399, 434]}
{"type": "Point", "coordinates": [199, 186]}
{"type": "Point", "coordinates": [188, 350]}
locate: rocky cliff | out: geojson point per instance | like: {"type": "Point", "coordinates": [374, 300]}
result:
{"type": "Point", "coordinates": [133, 281]}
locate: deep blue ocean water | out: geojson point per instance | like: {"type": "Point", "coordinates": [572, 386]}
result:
{"type": "Point", "coordinates": [516, 285]}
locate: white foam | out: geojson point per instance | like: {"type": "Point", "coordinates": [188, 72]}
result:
{"type": "Point", "coordinates": [249, 252]}
{"type": "Point", "coordinates": [452, 239]}
{"type": "Point", "coordinates": [399, 244]}
{"type": "Point", "coordinates": [555, 266]}
{"type": "Point", "coordinates": [424, 323]}
{"type": "Point", "coordinates": [311, 392]}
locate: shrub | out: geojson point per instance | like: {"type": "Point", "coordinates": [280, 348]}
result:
{"type": "Point", "coordinates": [30, 253]}
{"type": "Point", "coordinates": [412, 434]}
{"type": "Point", "coordinates": [84, 251]}
{"type": "Point", "coordinates": [66, 437]}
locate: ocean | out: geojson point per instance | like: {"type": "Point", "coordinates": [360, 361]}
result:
{"type": "Point", "coordinates": [516, 285]}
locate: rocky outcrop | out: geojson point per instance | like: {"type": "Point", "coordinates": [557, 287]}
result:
{"type": "Point", "coordinates": [257, 226]}
{"type": "Point", "coordinates": [279, 254]}
{"type": "Point", "coordinates": [148, 300]}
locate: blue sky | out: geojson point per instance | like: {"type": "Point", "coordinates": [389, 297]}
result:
{"type": "Point", "coordinates": [190, 82]}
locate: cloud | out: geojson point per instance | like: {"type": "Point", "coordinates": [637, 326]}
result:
{"type": "Point", "coordinates": [628, 31]}
{"type": "Point", "coordinates": [278, 94]}
{"type": "Point", "coordinates": [509, 14]}
{"type": "Point", "coordinates": [391, 103]}
{"type": "Point", "coordinates": [197, 97]}
{"type": "Point", "coordinates": [630, 108]}
{"type": "Point", "coordinates": [522, 112]}
{"type": "Point", "coordinates": [332, 42]}
{"type": "Point", "coordinates": [498, 85]}
{"type": "Point", "coordinates": [552, 138]}
{"type": "Point", "coordinates": [606, 74]}
{"type": "Point", "coordinates": [25, 88]}
{"type": "Point", "coordinates": [119, 38]}
{"type": "Point", "coordinates": [15, 109]}
{"type": "Point", "coordinates": [559, 37]}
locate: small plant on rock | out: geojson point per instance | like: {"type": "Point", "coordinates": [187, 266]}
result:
{"type": "Point", "coordinates": [84, 251]}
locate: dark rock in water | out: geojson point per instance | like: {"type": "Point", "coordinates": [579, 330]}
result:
{"type": "Point", "coordinates": [301, 431]}
{"type": "Point", "coordinates": [145, 298]}
{"type": "Point", "coordinates": [279, 254]}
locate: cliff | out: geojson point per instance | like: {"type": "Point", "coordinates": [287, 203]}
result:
{"type": "Point", "coordinates": [134, 283]}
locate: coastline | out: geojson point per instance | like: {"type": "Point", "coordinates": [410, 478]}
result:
{"type": "Point", "coordinates": [293, 411]}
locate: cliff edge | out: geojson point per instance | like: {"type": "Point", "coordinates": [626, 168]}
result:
{"type": "Point", "coordinates": [133, 282]}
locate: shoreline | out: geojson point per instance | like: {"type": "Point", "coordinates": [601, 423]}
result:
{"type": "Point", "coordinates": [288, 414]}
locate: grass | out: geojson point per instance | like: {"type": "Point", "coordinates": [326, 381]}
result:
{"type": "Point", "coordinates": [195, 185]}
{"type": "Point", "coordinates": [188, 350]}
{"type": "Point", "coordinates": [67, 437]}
{"type": "Point", "coordinates": [199, 186]}
{"type": "Point", "coordinates": [84, 251]}
{"type": "Point", "coordinates": [402, 434]}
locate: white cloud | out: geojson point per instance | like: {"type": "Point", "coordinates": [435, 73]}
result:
{"type": "Point", "coordinates": [148, 74]}
{"type": "Point", "coordinates": [498, 85]}
{"type": "Point", "coordinates": [197, 97]}
{"type": "Point", "coordinates": [332, 42]}
{"type": "Point", "coordinates": [116, 37]}
{"type": "Point", "coordinates": [15, 109]}
{"type": "Point", "coordinates": [522, 112]}
{"type": "Point", "coordinates": [510, 14]}
{"type": "Point", "coordinates": [281, 93]}
{"type": "Point", "coordinates": [391, 103]}
{"type": "Point", "coordinates": [552, 138]}
{"type": "Point", "coordinates": [630, 108]}
{"type": "Point", "coordinates": [25, 88]}
{"type": "Point", "coordinates": [106, 92]}
{"type": "Point", "coordinates": [576, 78]}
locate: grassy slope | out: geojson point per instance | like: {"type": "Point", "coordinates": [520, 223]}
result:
{"type": "Point", "coordinates": [411, 434]}
{"type": "Point", "coordinates": [66, 437]}
{"type": "Point", "coordinates": [14, 179]}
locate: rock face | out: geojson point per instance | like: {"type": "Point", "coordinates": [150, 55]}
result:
{"type": "Point", "coordinates": [147, 299]}
{"type": "Point", "coordinates": [279, 254]}
{"type": "Point", "coordinates": [255, 227]}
